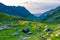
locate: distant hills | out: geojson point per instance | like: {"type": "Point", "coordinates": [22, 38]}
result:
{"type": "Point", "coordinates": [37, 14]}
{"type": "Point", "coordinates": [51, 16]}
{"type": "Point", "coordinates": [17, 11]}
{"type": "Point", "coordinates": [10, 18]}
{"type": "Point", "coordinates": [6, 17]}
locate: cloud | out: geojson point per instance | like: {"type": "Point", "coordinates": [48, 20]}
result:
{"type": "Point", "coordinates": [47, 1]}
{"type": "Point", "coordinates": [35, 6]}
{"type": "Point", "coordinates": [18, 2]}
{"type": "Point", "coordinates": [41, 7]}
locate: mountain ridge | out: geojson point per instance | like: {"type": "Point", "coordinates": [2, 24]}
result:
{"type": "Point", "coordinates": [17, 11]}
{"type": "Point", "coordinates": [51, 16]}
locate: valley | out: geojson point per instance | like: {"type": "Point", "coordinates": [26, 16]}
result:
{"type": "Point", "coordinates": [17, 23]}
{"type": "Point", "coordinates": [13, 29]}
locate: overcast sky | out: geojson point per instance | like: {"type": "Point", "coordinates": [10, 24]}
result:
{"type": "Point", "coordinates": [34, 6]}
{"type": "Point", "coordinates": [45, 1]}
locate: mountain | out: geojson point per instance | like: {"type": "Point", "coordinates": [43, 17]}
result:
{"type": "Point", "coordinates": [51, 16]}
{"type": "Point", "coordinates": [17, 11]}
{"type": "Point", "coordinates": [10, 18]}
{"type": "Point", "coordinates": [6, 17]}
{"type": "Point", "coordinates": [37, 14]}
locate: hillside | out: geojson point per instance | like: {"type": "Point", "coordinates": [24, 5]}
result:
{"type": "Point", "coordinates": [17, 11]}
{"type": "Point", "coordinates": [10, 18]}
{"type": "Point", "coordinates": [51, 16]}
{"type": "Point", "coordinates": [33, 30]}
{"type": "Point", "coordinates": [14, 27]}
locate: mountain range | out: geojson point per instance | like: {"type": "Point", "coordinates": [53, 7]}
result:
{"type": "Point", "coordinates": [49, 16]}
{"type": "Point", "coordinates": [17, 11]}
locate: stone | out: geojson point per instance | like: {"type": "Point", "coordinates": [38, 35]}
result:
{"type": "Point", "coordinates": [48, 29]}
{"type": "Point", "coordinates": [1, 28]}
{"type": "Point", "coordinates": [49, 32]}
{"type": "Point", "coordinates": [17, 28]}
{"type": "Point", "coordinates": [29, 33]}
{"type": "Point", "coordinates": [38, 26]}
{"type": "Point", "coordinates": [15, 34]}
{"type": "Point", "coordinates": [26, 30]}
{"type": "Point", "coordinates": [43, 38]}
{"type": "Point", "coordinates": [21, 37]}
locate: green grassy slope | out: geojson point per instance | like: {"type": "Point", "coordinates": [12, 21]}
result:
{"type": "Point", "coordinates": [54, 16]}
{"type": "Point", "coordinates": [6, 17]}
{"type": "Point", "coordinates": [37, 33]}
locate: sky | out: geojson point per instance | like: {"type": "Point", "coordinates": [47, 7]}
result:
{"type": "Point", "coordinates": [34, 6]}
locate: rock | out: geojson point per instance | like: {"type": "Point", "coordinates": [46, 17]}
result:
{"type": "Point", "coordinates": [15, 34]}
{"type": "Point", "coordinates": [49, 32]}
{"type": "Point", "coordinates": [21, 37]}
{"type": "Point", "coordinates": [1, 28]}
{"type": "Point", "coordinates": [5, 27]}
{"type": "Point", "coordinates": [38, 26]}
{"type": "Point", "coordinates": [24, 31]}
{"type": "Point", "coordinates": [48, 29]}
{"type": "Point", "coordinates": [9, 26]}
{"type": "Point", "coordinates": [27, 31]}
{"type": "Point", "coordinates": [17, 28]}
{"type": "Point", "coordinates": [43, 38]}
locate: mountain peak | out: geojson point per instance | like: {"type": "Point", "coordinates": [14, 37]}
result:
{"type": "Point", "coordinates": [1, 4]}
{"type": "Point", "coordinates": [17, 11]}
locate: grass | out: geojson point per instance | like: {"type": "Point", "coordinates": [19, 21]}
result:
{"type": "Point", "coordinates": [36, 32]}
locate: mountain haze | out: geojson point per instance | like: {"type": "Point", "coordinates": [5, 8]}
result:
{"type": "Point", "coordinates": [51, 16]}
